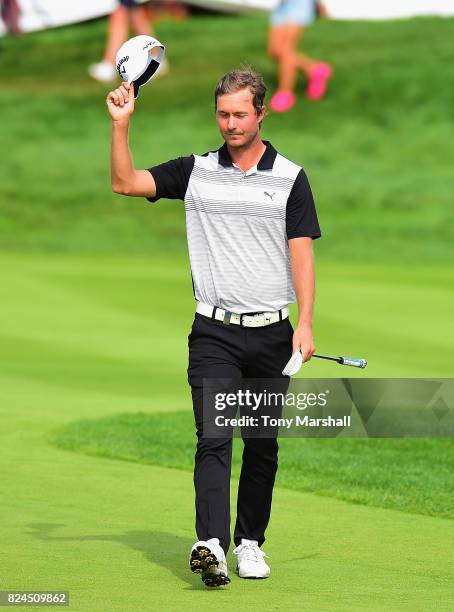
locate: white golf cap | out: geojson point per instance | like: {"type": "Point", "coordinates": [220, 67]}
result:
{"type": "Point", "coordinates": [135, 62]}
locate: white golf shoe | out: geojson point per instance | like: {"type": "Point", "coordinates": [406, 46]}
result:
{"type": "Point", "coordinates": [250, 562]}
{"type": "Point", "coordinates": [103, 72]}
{"type": "Point", "coordinates": [208, 559]}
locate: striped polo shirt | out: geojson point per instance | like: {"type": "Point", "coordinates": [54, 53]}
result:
{"type": "Point", "coordinates": [238, 225]}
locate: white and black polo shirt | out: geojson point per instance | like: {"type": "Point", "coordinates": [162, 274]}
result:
{"type": "Point", "coordinates": [238, 225]}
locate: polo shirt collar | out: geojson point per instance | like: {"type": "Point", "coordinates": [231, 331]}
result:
{"type": "Point", "coordinates": [266, 161]}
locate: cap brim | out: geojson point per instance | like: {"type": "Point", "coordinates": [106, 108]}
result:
{"type": "Point", "coordinates": [146, 76]}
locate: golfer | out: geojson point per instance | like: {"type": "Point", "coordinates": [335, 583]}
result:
{"type": "Point", "coordinates": [250, 220]}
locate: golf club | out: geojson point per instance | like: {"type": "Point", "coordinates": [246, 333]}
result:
{"type": "Point", "coordinates": [348, 361]}
{"type": "Point", "coordinates": [296, 361]}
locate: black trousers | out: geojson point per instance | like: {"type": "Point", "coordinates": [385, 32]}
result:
{"type": "Point", "coordinates": [217, 350]}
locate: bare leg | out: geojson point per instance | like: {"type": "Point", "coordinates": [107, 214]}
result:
{"type": "Point", "coordinates": [304, 63]}
{"type": "Point", "coordinates": [117, 33]}
{"type": "Point", "coordinates": [282, 45]}
{"type": "Point", "coordinates": [140, 22]}
{"type": "Point", "coordinates": [291, 61]}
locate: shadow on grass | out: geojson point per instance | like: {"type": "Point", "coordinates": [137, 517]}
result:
{"type": "Point", "coordinates": [159, 547]}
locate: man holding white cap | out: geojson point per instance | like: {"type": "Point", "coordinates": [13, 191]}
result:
{"type": "Point", "coordinates": [250, 220]}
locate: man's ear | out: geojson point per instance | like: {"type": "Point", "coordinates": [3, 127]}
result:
{"type": "Point", "coordinates": [262, 114]}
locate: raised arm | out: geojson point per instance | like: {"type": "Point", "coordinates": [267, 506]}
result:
{"type": "Point", "coordinates": [125, 179]}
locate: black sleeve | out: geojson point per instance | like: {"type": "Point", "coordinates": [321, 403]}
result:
{"type": "Point", "coordinates": [301, 216]}
{"type": "Point", "coordinates": [172, 178]}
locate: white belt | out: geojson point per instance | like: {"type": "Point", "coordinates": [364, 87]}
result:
{"type": "Point", "coordinates": [260, 319]}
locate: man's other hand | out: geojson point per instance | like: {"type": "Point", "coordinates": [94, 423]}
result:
{"type": "Point", "coordinates": [303, 341]}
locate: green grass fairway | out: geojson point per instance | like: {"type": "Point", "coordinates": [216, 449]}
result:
{"type": "Point", "coordinates": [96, 305]}
{"type": "Point", "coordinates": [81, 338]}
{"type": "Point", "coordinates": [117, 535]}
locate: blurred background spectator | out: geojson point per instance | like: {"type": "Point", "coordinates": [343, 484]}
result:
{"type": "Point", "coordinates": [287, 26]}
{"type": "Point", "coordinates": [9, 12]}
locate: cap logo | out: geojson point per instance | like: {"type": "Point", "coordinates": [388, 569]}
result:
{"type": "Point", "coordinates": [122, 61]}
{"type": "Point", "coordinates": [150, 44]}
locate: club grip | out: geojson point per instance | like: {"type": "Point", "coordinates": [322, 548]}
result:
{"type": "Point", "coordinates": [355, 363]}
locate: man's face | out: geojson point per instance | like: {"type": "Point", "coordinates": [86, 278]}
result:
{"type": "Point", "coordinates": [236, 117]}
